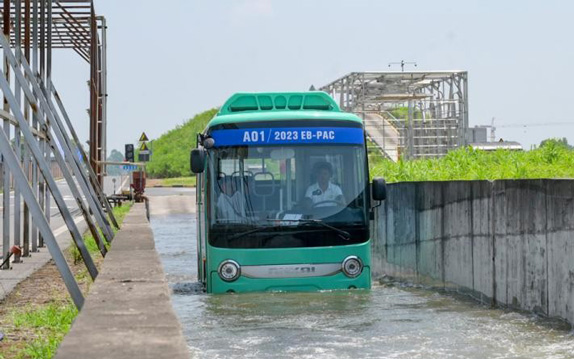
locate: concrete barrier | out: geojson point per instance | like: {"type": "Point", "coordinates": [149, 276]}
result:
{"type": "Point", "coordinates": [508, 242]}
{"type": "Point", "coordinates": [128, 312]}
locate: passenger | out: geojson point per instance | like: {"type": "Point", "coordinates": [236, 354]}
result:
{"type": "Point", "coordinates": [230, 204]}
{"type": "Point", "coordinates": [323, 193]}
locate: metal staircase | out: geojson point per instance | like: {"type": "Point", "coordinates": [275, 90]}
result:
{"type": "Point", "coordinates": [384, 134]}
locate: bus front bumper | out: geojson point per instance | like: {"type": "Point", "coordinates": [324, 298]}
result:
{"type": "Point", "coordinates": [307, 284]}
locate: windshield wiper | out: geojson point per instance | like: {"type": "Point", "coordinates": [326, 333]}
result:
{"type": "Point", "coordinates": [342, 234]}
{"type": "Point", "coordinates": [254, 230]}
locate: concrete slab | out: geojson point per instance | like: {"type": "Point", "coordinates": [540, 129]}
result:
{"type": "Point", "coordinates": [561, 275]}
{"type": "Point", "coordinates": [128, 313]}
{"type": "Point", "coordinates": [97, 343]}
{"type": "Point", "coordinates": [137, 266]}
{"type": "Point", "coordinates": [137, 296]}
{"type": "Point", "coordinates": [127, 318]}
{"type": "Point", "coordinates": [430, 259]}
{"type": "Point", "coordinates": [482, 251]}
{"type": "Point", "coordinates": [482, 265]}
{"type": "Point", "coordinates": [133, 239]}
{"type": "Point", "coordinates": [378, 242]}
{"type": "Point", "coordinates": [458, 261]}
{"type": "Point", "coordinates": [457, 235]}
{"type": "Point", "coordinates": [499, 216]}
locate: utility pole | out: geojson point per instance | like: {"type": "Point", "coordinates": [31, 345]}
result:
{"type": "Point", "coordinates": [402, 64]}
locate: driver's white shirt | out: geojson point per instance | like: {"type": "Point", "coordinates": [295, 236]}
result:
{"type": "Point", "coordinates": [317, 195]}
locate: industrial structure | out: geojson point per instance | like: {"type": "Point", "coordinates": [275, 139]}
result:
{"type": "Point", "coordinates": [408, 114]}
{"type": "Point", "coordinates": [37, 135]}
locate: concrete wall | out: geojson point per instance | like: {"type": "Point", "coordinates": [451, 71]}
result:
{"type": "Point", "coordinates": [128, 312]}
{"type": "Point", "coordinates": [505, 242]}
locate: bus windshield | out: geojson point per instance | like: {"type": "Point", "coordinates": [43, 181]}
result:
{"type": "Point", "coordinates": [287, 196]}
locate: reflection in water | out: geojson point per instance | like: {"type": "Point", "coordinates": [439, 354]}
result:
{"type": "Point", "coordinates": [386, 322]}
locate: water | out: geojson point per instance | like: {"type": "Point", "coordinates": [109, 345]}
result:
{"type": "Point", "coordinates": [385, 322]}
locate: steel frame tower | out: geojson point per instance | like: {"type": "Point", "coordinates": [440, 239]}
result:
{"type": "Point", "coordinates": [408, 114]}
{"type": "Point", "coordinates": [74, 25]}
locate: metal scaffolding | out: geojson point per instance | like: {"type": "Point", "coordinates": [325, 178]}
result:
{"type": "Point", "coordinates": [407, 114]}
{"type": "Point", "coordinates": [74, 25]}
{"type": "Point", "coordinates": [38, 138]}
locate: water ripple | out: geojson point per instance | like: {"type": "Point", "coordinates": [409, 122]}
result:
{"type": "Point", "coordinates": [392, 320]}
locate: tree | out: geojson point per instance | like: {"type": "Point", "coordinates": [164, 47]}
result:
{"type": "Point", "coordinates": [115, 156]}
{"type": "Point", "coordinates": [561, 142]}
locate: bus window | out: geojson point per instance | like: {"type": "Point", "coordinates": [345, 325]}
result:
{"type": "Point", "coordinates": [280, 194]}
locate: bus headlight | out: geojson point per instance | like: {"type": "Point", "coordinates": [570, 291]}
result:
{"type": "Point", "coordinates": [229, 270]}
{"type": "Point", "coordinates": [352, 266]}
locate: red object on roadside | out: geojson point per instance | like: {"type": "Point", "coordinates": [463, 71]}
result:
{"type": "Point", "coordinates": [16, 250]}
{"type": "Point", "coordinates": [138, 185]}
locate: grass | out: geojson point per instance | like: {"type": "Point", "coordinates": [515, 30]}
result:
{"type": "Point", "coordinates": [90, 242]}
{"type": "Point", "coordinates": [178, 181]}
{"type": "Point", "coordinates": [171, 150]}
{"type": "Point", "coordinates": [47, 324]}
{"type": "Point", "coordinates": [121, 212]}
{"type": "Point", "coordinates": [552, 160]}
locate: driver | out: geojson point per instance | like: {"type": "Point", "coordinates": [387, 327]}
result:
{"type": "Point", "coordinates": [323, 190]}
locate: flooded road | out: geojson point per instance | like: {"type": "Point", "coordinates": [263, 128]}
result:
{"type": "Point", "coordinates": [385, 322]}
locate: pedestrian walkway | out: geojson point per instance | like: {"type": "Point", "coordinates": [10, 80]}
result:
{"type": "Point", "coordinates": [9, 279]}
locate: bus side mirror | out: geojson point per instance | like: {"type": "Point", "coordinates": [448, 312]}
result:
{"type": "Point", "coordinates": [197, 160]}
{"type": "Point", "coordinates": [379, 189]}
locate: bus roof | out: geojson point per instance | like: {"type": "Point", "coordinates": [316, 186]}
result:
{"type": "Point", "coordinates": [277, 106]}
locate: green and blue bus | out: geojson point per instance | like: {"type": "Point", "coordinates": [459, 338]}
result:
{"type": "Point", "coordinates": [283, 195]}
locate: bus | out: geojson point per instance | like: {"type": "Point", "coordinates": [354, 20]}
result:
{"type": "Point", "coordinates": [283, 196]}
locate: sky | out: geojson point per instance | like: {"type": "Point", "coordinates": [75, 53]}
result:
{"type": "Point", "coordinates": [170, 60]}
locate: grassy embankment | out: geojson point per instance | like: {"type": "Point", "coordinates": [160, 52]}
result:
{"type": "Point", "coordinates": [39, 313]}
{"type": "Point", "coordinates": [175, 182]}
{"type": "Point", "coordinates": [552, 160]}
{"type": "Point", "coordinates": [170, 160]}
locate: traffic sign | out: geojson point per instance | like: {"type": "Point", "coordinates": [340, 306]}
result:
{"type": "Point", "coordinates": [143, 157]}
{"type": "Point", "coordinates": [130, 167]}
{"type": "Point", "coordinates": [144, 152]}
{"type": "Point", "coordinates": [143, 137]}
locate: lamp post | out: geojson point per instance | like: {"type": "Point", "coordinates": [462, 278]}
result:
{"type": "Point", "coordinates": [403, 63]}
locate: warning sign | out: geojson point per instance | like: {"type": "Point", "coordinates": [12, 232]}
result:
{"type": "Point", "coordinates": [143, 137]}
{"type": "Point", "coordinates": [144, 152]}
